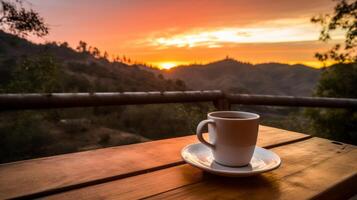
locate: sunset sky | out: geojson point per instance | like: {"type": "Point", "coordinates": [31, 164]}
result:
{"type": "Point", "coordinates": [166, 33]}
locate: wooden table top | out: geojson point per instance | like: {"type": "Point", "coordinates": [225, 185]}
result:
{"type": "Point", "coordinates": [311, 168]}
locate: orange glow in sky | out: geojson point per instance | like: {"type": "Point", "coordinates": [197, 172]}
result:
{"type": "Point", "coordinates": [167, 65]}
{"type": "Point", "coordinates": [170, 33]}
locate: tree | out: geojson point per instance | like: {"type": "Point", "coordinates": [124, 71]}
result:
{"type": "Point", "coordinates": [344, 18]}
{"type": "Point", "coordinates": [16, 19]}
{"type": "Point", "coordinates": [105, 55]}
{"type": "Point", "coordinates": [64, 45]}
{"type": "Point", "coordinates": [35, 74]}
{"type": "Point", "coordinates": [96, 52]}
{"type": "Point", "coordinates": [82, 47]}
{"type": "Point", "coordinates": [116, 58]}
{"type": "Point", "coordinates": [339, 80]}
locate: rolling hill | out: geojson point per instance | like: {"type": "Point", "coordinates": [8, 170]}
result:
{"type": "Point", "coordinates": [80, 71]}
{"type": "Point", "coordinates": [31, 134]}
{"type": "Point", "coordinates": [235, 76]}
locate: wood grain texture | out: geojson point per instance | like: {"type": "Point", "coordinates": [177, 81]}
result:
{"type": "Point", "coordinates": [137, 187]}
{"type": "Point", "coordinates": [59, 173]}
{"type": "Point", "coordinates": [310, 167]}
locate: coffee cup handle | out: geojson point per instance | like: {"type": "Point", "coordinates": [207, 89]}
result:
{"type": "Point", "coordinates": [199, 132]}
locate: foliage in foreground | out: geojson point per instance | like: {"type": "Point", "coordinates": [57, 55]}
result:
{"type": "Point", "coordinates": [344, 18]}
{"type": "Point", "coordinates": [338, 81]}
{"type": "Point", "coordinates": [16, 19]}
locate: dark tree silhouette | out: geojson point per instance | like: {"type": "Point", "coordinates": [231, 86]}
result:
{"type": "Point", "coordinates": [105, 55]}
{"type": "Point", "coordinates": [116, 58]}
{"type": "Point", "coordinates": [339, 80]}
{"type": "Point", "coordinates": [14, 18]}
{"type": "Point", "coordinates": [96, 52]}
{"type": "Point", "coordinates": [343, 18]}
{"type": "Point", "coordinates": [82, 47]}
{"type": "Point", "coordinates": [64, 44]}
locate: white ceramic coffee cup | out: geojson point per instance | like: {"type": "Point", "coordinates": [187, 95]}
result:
{"type": "Point", "coordinates": [232, 136]}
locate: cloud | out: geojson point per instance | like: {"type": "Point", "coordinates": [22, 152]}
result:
{"type": "Point", "coordinates": [282, 30]}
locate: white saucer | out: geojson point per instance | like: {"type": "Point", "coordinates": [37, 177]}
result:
{"type": "Point", "coordinates": [201, 156]}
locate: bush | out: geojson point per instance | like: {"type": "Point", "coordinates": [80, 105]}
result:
{"type": "Point", "coordinates": [338, 81]}
{"type": "Point", "coordinates": [23, 137]}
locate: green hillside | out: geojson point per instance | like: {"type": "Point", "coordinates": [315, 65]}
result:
{"type": "Point", "coordinates": [27, 67]}
{"type": "Point", "coordinates": [78, 71]}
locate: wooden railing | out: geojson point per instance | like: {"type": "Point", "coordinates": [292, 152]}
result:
{"type": "Point", "coordinates": [221, 100]}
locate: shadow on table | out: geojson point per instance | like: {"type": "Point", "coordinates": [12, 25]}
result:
{"type": "Point", "coordinates": [253, 187]}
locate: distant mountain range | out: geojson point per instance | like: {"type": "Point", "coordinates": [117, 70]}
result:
{"type": "Point", "coordinates": [84, 72]}
{"type": "Point", "coordinates": [235, 76]}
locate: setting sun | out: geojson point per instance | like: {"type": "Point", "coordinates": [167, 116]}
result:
{"type": "Point", "coordinates": [167, 65]}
